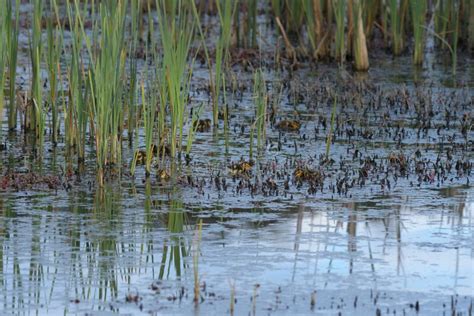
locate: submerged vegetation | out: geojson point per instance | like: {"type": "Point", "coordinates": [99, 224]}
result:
{"type": "Point", "coordinates": [95, 92]}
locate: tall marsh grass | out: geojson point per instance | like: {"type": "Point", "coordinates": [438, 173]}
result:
{"type": "Point", "coordinates": [37, 114]}
{"type": "Point", "coordinates": [418, 16]}
{"type": "Point", "coordinates": [106, 83]}
{"type": "Point", "coordinates": [3, 59]}
{"type": "Point", "coordinates": [11, 27]}
{"type": "Point", "coordinates": [176, 34]}
{"type": "Point", "coordinates": [93, 80]}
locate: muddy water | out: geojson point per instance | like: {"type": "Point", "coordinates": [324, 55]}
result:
{"type": "Point", "coordinates": [389, 230]}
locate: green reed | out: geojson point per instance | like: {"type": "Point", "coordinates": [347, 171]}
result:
{"type": "Point", "coordinates": [418, 15]}
{"type": "Point", "coordinates": [135, 17]}
{"type": "Point", "coordinates": [176, 34]}
{"type": "Point", "coordinates": [470, 25]}
{"type": "Point", "coordinates": [447, 23]}
{"type": "Point", "coordinates": [193, 127]}
{"type": "Point", "coordinates": [314, 24]}
{"type": "Point", "coordinates": [398, 11]}
{"type": "Point", "coordinates": [148, 125]}
{"type": "Point", "coordinates": [370, 10]}
{"type": "Point", "coordinates": [361, 56]}
{"type": "Point", "coordinates": [226, 12]}
{"type": "Point", "coordinates": [246, 24]}
{"type": "Point", "coordinates": [76, 109]}
{"type": "Point", "coordinates": [53, 54]}
{"type": "Point", "coordinates": [38, 114]}
{"type": "Point", "coordinates": [261, 101]}
{"type": "Point", "coordinates": [12, 29]}
{"type": "Point", "coordinates": [455, 8]}
{"type": "Point", "coordinates": [441, 20]}
{"type": "Point", "coordinates": [3, 59]}
{"type": "Point", "coordinates": [339, 14]}
{"type": "Point", "coordinates": [105, 82]}
{"type": "Point", "coordinates": [331, 128]}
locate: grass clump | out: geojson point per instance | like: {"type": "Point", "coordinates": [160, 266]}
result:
{"type": "Point", "coordinates": [176, 34]}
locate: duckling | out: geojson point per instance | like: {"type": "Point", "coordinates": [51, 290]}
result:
{"type": "Point", "coordinates": [202, 125]}
{"type": "Point", "coordinates": [141, 155]}
{"type": "Point", "coordinates": [163, 175]}
{"type": "Point", "coordinates": [289, 125]}
{"type": "Point", "coordinates": [241, 168]}
{"type": "Point", "coordinates": [306, 174]}
{"type": "Point", "coordinates": [398, 160]}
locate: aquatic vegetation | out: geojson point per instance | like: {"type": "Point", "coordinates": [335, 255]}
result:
{"type": "Point", "coordinates": [3, 59]}
{"type": "Point", "coordinates": [176, 34]}
{"type": "Point", "coordinates": [339, 12]}
{"type": "Point", "coordinates": [36, 114]}
{"type": "Point", "coordinates": [87, 84]}
{"type": "Point", "coordinates": [261, 101]}
{"type": "Point", "coordinates": [447, 18]}
{"type": "Point", "coordinates": [148, 126]}
{"type": "Point", "coordinates": [331, 129]}
{"type": "Point", "coordinates": [226, 12]}
{"type": "Point", "coordinates": [53, 54]}
{"type": "Point", "coordinates": [105, 83]}
{"type": "Point", "coordinates": [361, 55]}
{"type": "Point", "coordinates": [11, 28]}
{"type": "Point", "coordinates": [470, 23]}
{"type": "Point", "coordinates": [418, 12]}
{"type": "Point", "coordinates": [398, 11]}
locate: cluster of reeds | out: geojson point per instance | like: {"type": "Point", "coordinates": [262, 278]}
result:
{"type": "Point", "coordinates": [36, 114]}
{"type": "Point", "coordinates": [105, 76]}
{"type": "Point", "coordinates": [446, 26]}
{"type": "Point", "coordinates": [3, 59]}
{"type": "Point", "coordinates": [324, 29]}
{"type": "Point", "coordinates": [176, 34]}
{"type": "Point", "coordinates": [418, 11]}
{"type": "Point", "coordinates": [11, 27]}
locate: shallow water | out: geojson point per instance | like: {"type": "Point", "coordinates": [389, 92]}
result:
{"type": "Point", "coordinates": [75, 256]}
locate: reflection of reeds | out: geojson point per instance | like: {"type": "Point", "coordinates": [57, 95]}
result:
{"type": "Point", "coordinates": [197, 245]}
{"type": "Point", "coordinates": [174, 250]}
